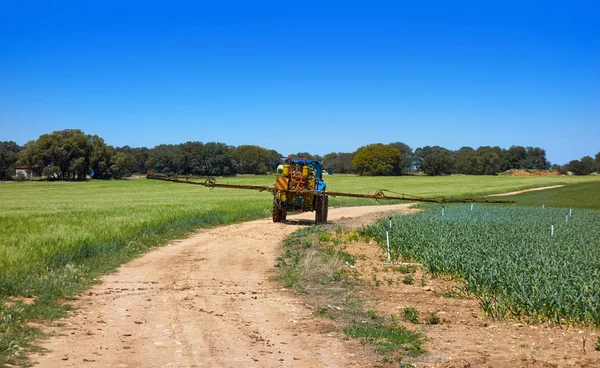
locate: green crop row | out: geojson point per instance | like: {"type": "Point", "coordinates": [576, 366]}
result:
{"type": "Point", "coordinates": [508, 257]}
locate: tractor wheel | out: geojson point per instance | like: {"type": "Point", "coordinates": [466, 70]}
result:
{"type": "Point", "coordinates": [279, 214]}
{"type": "Point", "coordinates": [321, 209]}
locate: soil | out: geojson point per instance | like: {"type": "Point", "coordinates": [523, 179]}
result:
{"type": "Point", "coordinates": [207, 301]}
{"type": "Point", "coordinates": [517, 172]}
{"type": "Point", "coordinates": [525, 191]}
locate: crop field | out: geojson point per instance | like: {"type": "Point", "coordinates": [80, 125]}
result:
{"type": "Point", "coordinates": [539, 264]}
{"type": "Point", "coordinates": [450, 186]}
{"type": "Point", "coordinates": [582, 195]}
{"type": "Point", "coordinates": [46, 226]}
{"type": "Point", "coordinates": [428, 186]}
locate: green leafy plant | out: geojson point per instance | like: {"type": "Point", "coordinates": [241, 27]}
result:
{"type": "Point", "coordinates": [432, 318]}
{"type": "Point", "coordinates": [410, 314]}
{"type": "Point", "coordinates": [408, 280]}
{"type": "Point", "coordinates": [375, 280]}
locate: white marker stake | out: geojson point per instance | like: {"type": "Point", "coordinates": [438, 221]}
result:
{"type": "Point", "coordinates": [543, 206]}
{"type": "Point", "coordinates": [442, 210]}
{"type": "Point", "coordinates": [387, 238]}
{"type": "Point", "coordinates": [551, 230]}
{"type": "Point", "coordinates": [471, 206]}
{"type": "Point", "coordinates": [570, 212]}
{"type": "Point", "coordinates": [566, 218]}
{"type": "Point", "coordinates": [390, 222]}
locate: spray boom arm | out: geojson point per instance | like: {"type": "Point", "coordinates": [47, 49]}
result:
{"type": "Point", "coordinates": [379, 195]}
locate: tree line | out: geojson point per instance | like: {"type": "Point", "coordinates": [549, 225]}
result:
{"type": "Point", "coordinates": [72, 154]}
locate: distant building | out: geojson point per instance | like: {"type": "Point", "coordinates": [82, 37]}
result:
{"type": "Point", "coordinates": [34, 171]}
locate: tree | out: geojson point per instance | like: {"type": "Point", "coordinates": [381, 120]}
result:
{"type": "Point", "coordinates": [121, 164]}
{"type": "Point", "coordinates": [30, 155]}
{"type": "Point", "coordinates": [406, 156]}
{"type": "Point", "coordinates": [515, 158]}
{"type": "Point", "coordinates": [255, 159]}
{"type": "Point", "coordinates": [164, 158]}
{"type": "Point", "coordinates": [467, 161]}
{"type": "Point", "coordinates": [597, 163]}
{"type": "Point", "coordinates": [51, 148]}
{"type": "Point", "coordinates": [434, 160]}
{"type": "Point", "coordinates": [67, 152]}
{"type": "Point", "coordinates": [303, 155]}
{"type": "Point", "coordinates": [584, 166]}
{"type": "Point", "coordinates": [536, 159]}
{"type": "Point", "coordinates": [376, 160]}
{"type": "Point", "coordinates": [587, 164]}
{"type": "Point", "coordinates": [340, 162]}
{"type": "Point", "coordinates": [490, 160]}
{"type": "Point", "coordinates": [52, 172]}
{"type": "Point", "coordinates": [138, 157]}
{"type": "Point", "coordinates": [219, 160]}
{"type": "Point", "coordinates": [192, 158]}
{"type": "Point", "coordinates": [9, 153]}
{"type": "Point", "coordinates": [101, 158]}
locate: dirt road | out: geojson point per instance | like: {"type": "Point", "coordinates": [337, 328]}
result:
{"type": "Point", "coordinates": [205, 301]}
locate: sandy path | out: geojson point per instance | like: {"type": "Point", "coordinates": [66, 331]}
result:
{"type": "Point", "coordinates": [205, 301]}
{"type": "Point", "coordinates": [525, 191]}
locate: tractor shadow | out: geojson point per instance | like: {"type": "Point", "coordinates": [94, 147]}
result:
{"type": "Point", "coordinates": [299, 222]}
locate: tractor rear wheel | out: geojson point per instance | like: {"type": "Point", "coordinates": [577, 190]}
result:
{"type": "Point", "coordinates": [321, 209]}
{"type": "Point", "coordinates": [279, 213]}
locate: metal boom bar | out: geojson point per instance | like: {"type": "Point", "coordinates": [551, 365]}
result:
{"type": "Point", "coordinates": [379, 195]}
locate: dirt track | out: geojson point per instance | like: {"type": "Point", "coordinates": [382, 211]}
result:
{"type": "Point", "coordinates": [526, 190]}
{"type": "Point", "coordinates": [205, 301]}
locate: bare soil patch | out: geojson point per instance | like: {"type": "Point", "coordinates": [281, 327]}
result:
{"type": "Point", "coordinates": [516, 172]}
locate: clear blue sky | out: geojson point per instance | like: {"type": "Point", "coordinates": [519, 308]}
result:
{"type": "Point", "coordinates": [305, 76]}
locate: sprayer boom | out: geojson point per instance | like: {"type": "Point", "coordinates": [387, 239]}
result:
{"type": "Point", "coordinates": [379, 195]}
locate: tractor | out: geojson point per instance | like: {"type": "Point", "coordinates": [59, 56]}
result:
{"type": "Point", "coordinates": [299, 187]}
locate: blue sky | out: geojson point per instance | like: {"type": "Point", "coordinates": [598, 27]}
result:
{"type": "Point", "coordinates": [321, 77]}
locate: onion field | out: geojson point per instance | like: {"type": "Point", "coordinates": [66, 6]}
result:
{"type": "Point", "coordinates": [538, 264]}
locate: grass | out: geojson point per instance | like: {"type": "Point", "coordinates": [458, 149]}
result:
{"type": "Point", "coordinates": [426, 186]}
{"type": "Point", "coordinates": [45, 227]}
{"type": "Point", "coordinates": [56, 238]}
{"type": "Point", "coordinates": [316, 265]}
{"type": "Point", "coordinates": [450, 186]}
{"type": "Point", "coordinates": [582, 195]}
{"type": "Point", "coordinates": [388, 339]}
